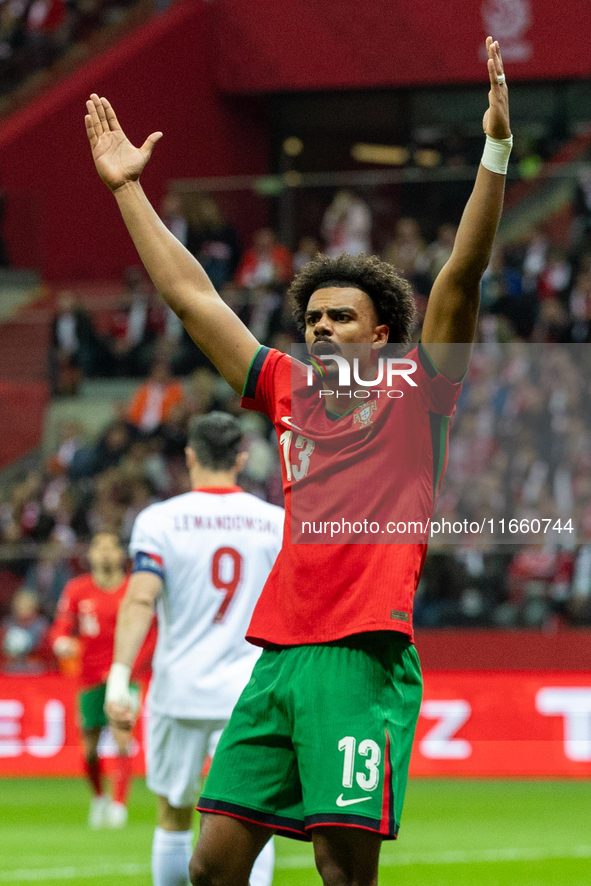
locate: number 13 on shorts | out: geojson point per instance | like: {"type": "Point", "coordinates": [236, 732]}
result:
{"type": "Point", "coordinates": [361, 763]}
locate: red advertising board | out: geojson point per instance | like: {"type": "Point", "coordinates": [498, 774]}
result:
{"type": "Point", "coordinates": [472, 723]}
{"type": "Point", "coordinates": [504, 724]}
{"type": "Point", "coordinates": [38, 728]}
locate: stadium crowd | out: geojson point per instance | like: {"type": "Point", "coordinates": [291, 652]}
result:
{"type": "Point", "coordinates": [521, 439]}
{"type": "Point", "coordinates": [35, 33]}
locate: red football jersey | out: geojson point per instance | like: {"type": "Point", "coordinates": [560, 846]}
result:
{"type": "Point", "coordinates": [386, 458]}
{"type": "Point", "coordinates": [89, 612]}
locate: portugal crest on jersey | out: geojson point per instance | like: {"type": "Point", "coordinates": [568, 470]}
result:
{"type": "Point", "coordinates": [362, 415]}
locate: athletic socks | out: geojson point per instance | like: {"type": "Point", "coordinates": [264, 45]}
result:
{"type": "Point", "coordinates": [92, 768]}
{"type": "Point", "coordinates": [262, 869]}
{"type": "Point", "coordinates": [122, 778]}
{"type": "Point", "coordinates": [171, 854]}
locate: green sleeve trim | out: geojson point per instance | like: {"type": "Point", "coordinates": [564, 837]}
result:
{"type": "Point", "coordinates": [431, 369]}
{"type": "Point", "coordinates": [249, 370]}
{"type": "Point", "coordinates": [428, 364]}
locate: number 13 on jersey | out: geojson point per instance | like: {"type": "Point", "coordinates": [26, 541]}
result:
{"type": "Point", "coordinates": [306, 448]}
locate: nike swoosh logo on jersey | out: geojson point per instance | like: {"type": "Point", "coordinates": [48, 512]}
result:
{"type": "Point", "coordinates": [342, 802]}
{"type": "Point", "coordinates": [286, 419]}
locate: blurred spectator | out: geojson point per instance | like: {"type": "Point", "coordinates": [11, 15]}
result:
{"type": "Point", "coordinates": [174, 217]}
{"type": "Point", "coordinates": [266, 263]}
{"type": "Point", "coordinates": [407, 252]}
{"type": "Point", "coordinates": [579, 605]}
{"type": "Point", "coordinates": [535, 258]}
{"type": "Point", "coordinates": [201, 397]}
{"type": "Point", "coordinates": [580, 309]}
{"type": "Point", "coordinates": [581, 230]}
{"type": "Point", "coordinates": [48, 574]}
{"type": "Point", "coordinates": [73, 347]}
{"type": "Point", "coordinates": [308, 248]}
{"type": "Point", "coordinates": [25, 637]}
{"type": "Point", "coordinates": [171, 434]}
{"type": "Point", "coordinates": [437, 597]}
{"type": "Point", "coordinates": [527, 157]}
{"type": "Point", "coordinates": [531, 575]}
{"type": "Point", "coordinates": [555, 279]}
{"type": "Point", "coordinates": [503, 295]}
{"type": "Point", "coordinates": [106, 453]}
{"type": "Point", "coordinates": [27, 519]}
{"type": "Point", "coordinates": [133, 329]}
{"type": "Point", "coordinates": [438, 252]}
{"type": "Point", "coordinates": [214, 242]}
{"type": "Point", "coordinates": [152, 402]}
{"type": "Point", "coordinates": [46, 30]}
{"type": "Point", "coordinates": [70, 440]}
{"type": "Point", "coordinates": [34, 33]}
{"type": "Point", "coordinates": [346, 225]}
{"type": "Point", "coordinates": [4, 260]}
{"type": "Point", "coordinates": [499, 280]}
{"type": "Point", "coordinates": [552, 321]}
{"type": "Point", "coordinates": [455, 192]}
{"type": "Point", "coordinates": [261, 312]}
{"type": "Point", "coordinates": [12, 34]}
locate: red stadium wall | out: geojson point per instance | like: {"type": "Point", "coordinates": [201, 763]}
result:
{"type": "Point", "coordinates": [59, 216]}
{"type": "Point", "coordinates": [482, 650]}
{"type": "Point", "coordinates": [277, 45]}
{"type": "Point", "coordinates": [22, 407]}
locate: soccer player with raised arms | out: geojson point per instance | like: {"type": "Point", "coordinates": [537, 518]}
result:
{"type": "Point", "coordinates": [319, 743]}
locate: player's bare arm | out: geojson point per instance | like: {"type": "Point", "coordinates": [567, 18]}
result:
{"type": "Point", "coordinates": [133, 623]}
{"type": "Point", "coordinates": [176, 274]}
{"type": "Point", "coordinates": [452, 311]}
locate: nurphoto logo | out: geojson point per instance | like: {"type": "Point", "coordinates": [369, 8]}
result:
{"type": "Point", "coordinates": [390, 371]}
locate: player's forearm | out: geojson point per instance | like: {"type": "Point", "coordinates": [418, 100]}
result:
{"type": "Point", "coordinates": [477, 229]}
{"type": "Point", "coordinates": [133, 623]}
{"type": "Point", "coordinates": [176, 274]}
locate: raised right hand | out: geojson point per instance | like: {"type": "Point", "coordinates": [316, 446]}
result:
{"type": "Point", "coordinates": [117, 161]}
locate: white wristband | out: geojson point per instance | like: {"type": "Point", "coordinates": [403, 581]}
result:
{"type": "Point", "coordinates": [117, 691]}
{"type": "Point", "coordinates": [495, 156]}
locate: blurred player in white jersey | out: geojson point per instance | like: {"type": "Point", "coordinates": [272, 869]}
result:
{"type": "Point", "coordinates": [203, 559]}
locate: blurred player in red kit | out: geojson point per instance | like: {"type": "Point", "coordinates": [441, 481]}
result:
{"type": "Point", "coordinates": [87, 614]}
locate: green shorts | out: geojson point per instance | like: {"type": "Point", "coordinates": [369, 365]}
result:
{"type": "Point", "coordinates": [321, 735]}
{"type": "Point", "coordinates": [91, 706]}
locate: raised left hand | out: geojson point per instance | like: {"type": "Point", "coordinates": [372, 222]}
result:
{"type": "Point", "coordinates": [496, 119]}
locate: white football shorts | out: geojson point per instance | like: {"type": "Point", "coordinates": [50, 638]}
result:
{"type": "Point", "coordinates": [175, 754]}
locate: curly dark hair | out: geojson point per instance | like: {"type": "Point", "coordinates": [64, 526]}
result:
{"type": "Point", "coordinates": [391, 294]}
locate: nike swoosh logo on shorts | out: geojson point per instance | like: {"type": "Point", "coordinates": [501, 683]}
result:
{"type": "Point", "coordinates": [343, 802]}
